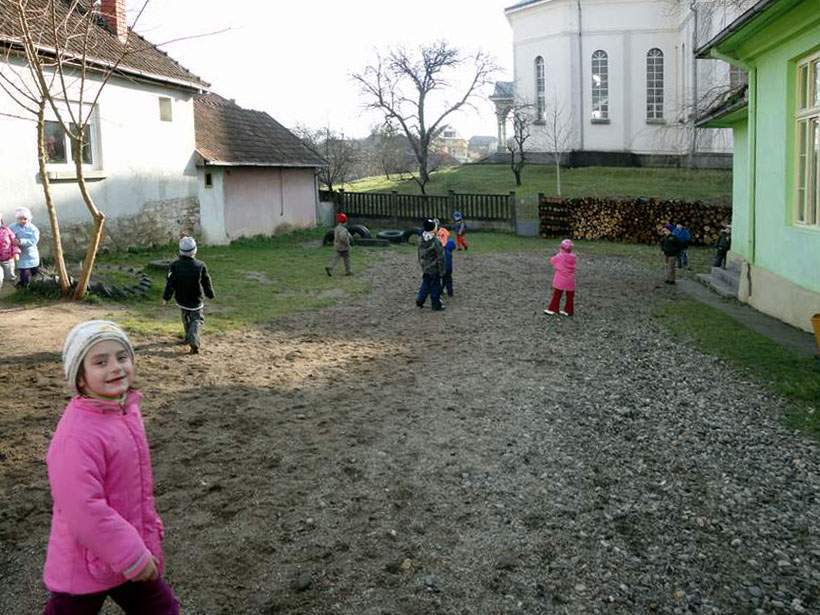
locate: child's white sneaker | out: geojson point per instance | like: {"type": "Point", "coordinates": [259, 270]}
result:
{"type": "Point", "coordinates": [550, 312]}
{"type": "Point", "coordinates": [563, 313]}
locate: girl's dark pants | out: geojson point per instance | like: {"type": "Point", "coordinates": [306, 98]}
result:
{"type": "Point", "coordinates": [447, 283]}
{"type": "Point", "coordinates": [145, 598]}
{"type": "Point", "coordinates": [430, 285]}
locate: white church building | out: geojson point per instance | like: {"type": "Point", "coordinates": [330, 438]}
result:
{"type": "Point", "coordinates": [621, 76]}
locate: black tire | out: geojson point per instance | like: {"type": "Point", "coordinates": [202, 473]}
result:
{"type": "Point", "coordinates": [328, 239]}
{"type": "Point", "coordinates": [410, 233]}
{"type": "Point", "coordinates": [391, 236]}
{"type": "Point", "coordinates": [360, 230]}
{"type": "Point", "coordinates": [370, 242]}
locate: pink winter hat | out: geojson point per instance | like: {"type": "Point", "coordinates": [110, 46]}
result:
{"type": "Point", "coordinates": [566, 245]}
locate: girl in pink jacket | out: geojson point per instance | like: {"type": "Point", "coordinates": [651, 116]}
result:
{"type": "Point", "coordinates": [9, 250]}
{"type": "Point", "coordinates": [563, 280]}
{"type": "Point", "coordinates": [106, 535]}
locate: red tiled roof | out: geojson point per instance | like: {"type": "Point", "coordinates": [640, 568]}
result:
{"type": "Point", "coordinates": [138, 56]}
{"type": "Point", "coordinates": [228, 134]}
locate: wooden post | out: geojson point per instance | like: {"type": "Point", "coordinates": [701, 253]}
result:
{"type": "Point", "coordinates": [513, 212]}
{"type": "Point", "coordinates": [451, 203]}
{"type": "Point", "coordinates": [394, 205]}
{"type": "Point", "coordinates": [340, 202]}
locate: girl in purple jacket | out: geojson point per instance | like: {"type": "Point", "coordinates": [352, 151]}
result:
{"type": "Point", "coordinates": [563, 280]}
{"type": "Point", "coordinates": [106, 535]}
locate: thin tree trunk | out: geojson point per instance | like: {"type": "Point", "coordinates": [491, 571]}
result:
{"type": "Point", "coordinates": [56, 241]}
{"type": "Point", "coordinates": [96, 215]}
{"type": "Point", "coordinates": [558, 172]}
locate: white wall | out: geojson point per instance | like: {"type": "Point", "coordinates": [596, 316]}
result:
{"type": "Point", "coordinates": [626, 30]}
{"type": "Point", "coordinates": [143, 159]}
{"type": "Point", "coordinates": [260, 200]}
{"type": "Point", "coordinates": [212, 206]}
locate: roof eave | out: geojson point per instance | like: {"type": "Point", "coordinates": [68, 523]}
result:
{"type": "Point", "coordinates": [256, 163]}
{"type": "Point", "coordinates": [718, 43]}
{"type": "Point", "coordinates": [725, 117]}
{"type": "Point", "coordinates": [97, 64]}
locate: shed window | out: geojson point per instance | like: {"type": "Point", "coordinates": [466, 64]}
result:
{"type": "Point", "coordinates": [807, 138]}
{"type": "Point", "coordinates": [209, 180]}
{"type": "Point", "coordinates": [600, 85]}
{"type": "Point", "coordinates": [166, 109]}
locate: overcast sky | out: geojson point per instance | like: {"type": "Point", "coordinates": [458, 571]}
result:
{"type": "Point", "coordinates": [294, 59]}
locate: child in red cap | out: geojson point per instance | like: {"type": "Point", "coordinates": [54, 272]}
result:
{"type": "Point", "coordinates": [341, 245]}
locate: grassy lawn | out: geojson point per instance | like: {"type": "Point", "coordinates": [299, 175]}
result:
{"type": "Point", "coordinates": [705, 185]}
{"type": "Point", "coordinates": [792, 375]}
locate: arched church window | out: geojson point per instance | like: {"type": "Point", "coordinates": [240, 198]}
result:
{"type": "Point", "coordinates": [600, 85]}
{"type": "Point", "coordinates": [654, 84]}
{"type": "Point", "coordinates": [540, 87]}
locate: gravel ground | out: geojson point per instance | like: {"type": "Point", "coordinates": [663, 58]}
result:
{"type": "Point", "coordinates": [374, 458]}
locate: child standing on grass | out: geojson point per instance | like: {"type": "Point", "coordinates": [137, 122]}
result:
{"type": "Point", "coordinates": [8, 251]}
{"type": "Point", "coordinates": [670, 246]}
{"type": "Point", "coordinates": [106, 535]}
{"type": "Point", "coordinates": [188, 279]}
{"type": "Point", "coordinates": [563, 280]}
{"type": "Point", "coordinates": [341, 245]}
{"type": "Point", "coordinates": [431, 260]}
{"type": "Point", "coordinates": [460, 229]}
{"type": "Point", "coordinates": [684, 237]}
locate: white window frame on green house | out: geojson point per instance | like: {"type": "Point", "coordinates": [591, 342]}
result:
{"type": "Point", "coordinates": [807, 142]}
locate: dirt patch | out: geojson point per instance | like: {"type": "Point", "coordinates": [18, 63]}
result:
{"type": "Point", "coordinates": [376, 458]}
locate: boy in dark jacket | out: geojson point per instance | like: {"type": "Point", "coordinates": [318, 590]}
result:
{"type": "Point", "coordinates": [671, 247]}
{"type": "Point", "coordinates": [188, 279]}
{"type": "Point", "coordinates": [431, 260]}
{"type": "Point", "coordinates": [684, 237]}
{"type": "Point", "coordinates": [724, 244]}
{"type": "Point", "coordinates": [447, 278]}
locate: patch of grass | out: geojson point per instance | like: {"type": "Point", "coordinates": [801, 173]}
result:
{"type": "Point", "coordinates": [255, 280]}
{"type": "Point", "coordinates": [711, 186]}
{"type": "Point", "coordinates": [794, 376]}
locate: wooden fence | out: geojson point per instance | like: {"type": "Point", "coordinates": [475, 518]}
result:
{"type": "Point", "coordinates": [631, 220]}
{"type": "Point", "coordinates": [392, 205]}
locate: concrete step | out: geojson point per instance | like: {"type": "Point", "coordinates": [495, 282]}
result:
{"type": "Point", "coordinates": [719, 285]}
{"type": "Point", "coordinates": [728, 277]}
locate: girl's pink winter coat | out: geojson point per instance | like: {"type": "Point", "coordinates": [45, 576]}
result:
{"type": "Point", "coordinates": [564, 265]}
{"type": "Point", "coordinates": [7, 247]}
{"type": "Point", "coordinates": [104, 525]}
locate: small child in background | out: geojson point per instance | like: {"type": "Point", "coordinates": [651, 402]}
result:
{"type": "Point", "coordinates": [563, 280]}
{"type": "Point", "coordinates": [106, 535]}
{"type": "Point", "coordinates": [188, 279]}
{"type": "Point", "coordinates": [8, 252]}
{"type": "Point", "coordinates": [684, 237]}
{"type": "Point", "coordinates": [27, 236]}
{"type": "Point", "coordinates": [460, 230]}
{"type": "Point", "coordinates": [724, 244]}
{"type": "Point", "coordinates": [341, 245]}
{"type": "Point", "coordinates": [670, 246]}
{"type": "Point", "coordinates": [447, 278]}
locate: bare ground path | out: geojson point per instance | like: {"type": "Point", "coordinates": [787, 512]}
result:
{"type": "Point", "coordinates": [374, 458]}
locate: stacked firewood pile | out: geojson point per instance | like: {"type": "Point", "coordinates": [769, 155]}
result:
{"type": "Point", "coordinates": [632, 221]}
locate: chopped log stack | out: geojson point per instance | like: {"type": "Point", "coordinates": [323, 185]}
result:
{"type": "Point", "coordinates": [633, 221]}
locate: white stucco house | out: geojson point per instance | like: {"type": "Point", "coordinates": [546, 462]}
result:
{"type": "Point", "coordinates": [622, 73]}
{"type": "Point", "coordinates": [141, 162]}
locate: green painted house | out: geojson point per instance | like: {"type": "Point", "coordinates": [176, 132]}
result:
{"type": "Point", "coordinates": [775, 120]}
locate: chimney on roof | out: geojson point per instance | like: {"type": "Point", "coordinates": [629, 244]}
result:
{"type": "Point", "coordinates": [113, 12]}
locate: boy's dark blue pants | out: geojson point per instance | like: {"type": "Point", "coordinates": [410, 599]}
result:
{"type": "Point", "coordinates": [430, 285]}
{"type": "Point", "coordinates": [447, 283]}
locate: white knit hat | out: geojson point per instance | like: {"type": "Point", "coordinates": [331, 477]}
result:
{"type": "Point", "coordinates": [24, 212]}
{"type": "Point", "coordinates": [187, 246]}
{"type": "Point", "coordinates": [80, 340]}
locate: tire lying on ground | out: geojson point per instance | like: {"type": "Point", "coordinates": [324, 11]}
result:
{"type": "Point", "coordinates": [411, 232]}
{"type": "Point", "coordinates": [391, 236]}
{"type": "Point", "coordinates": [377, 243]}
{"type": "Point", "coordinates": [359, 230]}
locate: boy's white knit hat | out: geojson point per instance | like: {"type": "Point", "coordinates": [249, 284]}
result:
{"type": "Point", "coordinates": [24, 212]}
{"type": "Point", "coordinates": [187, 246]}
{"type": "Point", "coordinates": [80, 340]}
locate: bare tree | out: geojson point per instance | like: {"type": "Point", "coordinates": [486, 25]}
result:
{"type": "Point", "coordinates": [337, 151]}
{"type": "Point", "coordinates": [402, 85]}
{"type": "Point", "coordinates": [391, 150]}
{"type": "Point", "coordinates": [522, 118]}
{"type": "Point", "coordinates": [558, 135]}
